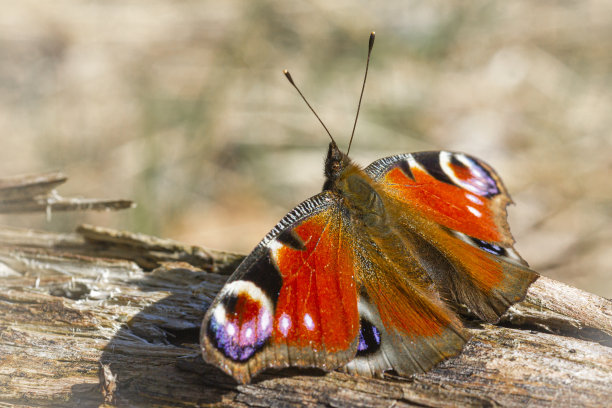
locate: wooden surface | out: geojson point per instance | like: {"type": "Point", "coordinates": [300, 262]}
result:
{"type": "Point", "coordinates": [36, 193]}
{"type": "Point", "coordinates": [103, 317]}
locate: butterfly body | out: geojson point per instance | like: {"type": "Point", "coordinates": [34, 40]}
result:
{"type": "Point", "coordinates": [365, 276]}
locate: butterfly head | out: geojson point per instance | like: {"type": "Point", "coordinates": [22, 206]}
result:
{"type": "Point", "coordinates": [335, 165]}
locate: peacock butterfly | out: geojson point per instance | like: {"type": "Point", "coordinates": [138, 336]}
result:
{"type": "Point", "coordinates": [366, 275]}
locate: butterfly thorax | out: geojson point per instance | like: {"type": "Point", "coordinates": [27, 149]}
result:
{"type": "Point", "coordinates": [355, 188]}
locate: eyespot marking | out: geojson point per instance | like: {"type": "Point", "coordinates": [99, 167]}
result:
{"type": "Point", "coordinates": [474, 211]}
{"type": "Point", "coordinates": [284, 324]}
{"type": "Point", "coordinates": [241, 322]}
{"type": "Point", "coordinates": [308, 322]}
{"type": "Point", "coordinates": [489, 247]}
{"type": "Point", "coordinates": [369, 338]}
{"type": "Point", "coordinates": [474, 199]}
{"type": "Point", "coordinates": [467, 173]}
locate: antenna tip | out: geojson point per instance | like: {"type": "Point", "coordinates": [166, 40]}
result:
{"type": "Point", "coordinates": [372, 36]}
{"type": "Point", "coordinates": [288, 75]}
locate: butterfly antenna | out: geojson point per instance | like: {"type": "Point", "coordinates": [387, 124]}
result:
{"type": "Point", "coordinates": [288, 75]}
{"type": "Point", "coordinates": [370, 46]}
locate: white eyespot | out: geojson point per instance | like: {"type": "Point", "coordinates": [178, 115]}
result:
{"type": "Point", "coordinates": [248, 289]}
{"type": "Point", "coordinates": [284, 324]}
{"type": "Point", "coordinates": [274, 246]}
{"type": "Point", "coordinates": [308, 322]}
{"type": "Point", "coordinates": [264, 321]}
{"type": "Point", "coordinates": [473, 199]}
{"type": "Point", "coordinates": [445, 158]}
{"type": "Point", "coordinates": [478, 183]}
{"type": "Point", "coordinates": [474, 211]}
{"type": "Point", "coordinates": [248, 334]}
{"type": "Point", "coordinates": [415, 164]}
{"type": "Point", "coordinates": [231, 329]}
{"type": "Point", "coordinates": [219, 314]}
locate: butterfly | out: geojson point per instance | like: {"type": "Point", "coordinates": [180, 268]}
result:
{"type": "Point", "coordinates": [367, 275]}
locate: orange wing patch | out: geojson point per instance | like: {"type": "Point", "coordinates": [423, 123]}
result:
{"type": "Point", "coordinates": [395, 284]}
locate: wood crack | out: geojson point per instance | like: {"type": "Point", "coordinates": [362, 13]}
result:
{"type": "Point", "coordinates": [78, 305]}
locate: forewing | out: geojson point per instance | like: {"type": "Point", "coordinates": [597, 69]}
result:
{"type": "Point", "coordinates": [455, 190]}
{"type": "Point", "coordinates": [293, 300]}
{"type": "Point", "coordinates": [453, 207]}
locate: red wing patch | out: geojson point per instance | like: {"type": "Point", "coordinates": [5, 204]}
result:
{"type": "Point", "coordinates": [463, 196]}
{"type": "Point", "coordinates": [292, 301]}
{"type": "Point", "coordinates": [317, 304]}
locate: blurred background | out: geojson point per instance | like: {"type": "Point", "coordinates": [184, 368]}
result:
{"type": "Point", "coordinates": [182, 107]}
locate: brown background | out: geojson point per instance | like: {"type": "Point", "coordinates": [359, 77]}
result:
{"type": "Point", "coordinates": [182, 107]}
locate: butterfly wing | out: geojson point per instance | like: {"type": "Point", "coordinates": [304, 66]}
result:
{"type": "Point", "coordinates": [292, 301]}
{"type": "Point", "coordinates": [453, 189]}
{"type": "Point", "coordinates": [453, 208]}
{"type": "Point", "coordinates": [319, 292]}
{"type": "Point", "coordinates": [404, 325]}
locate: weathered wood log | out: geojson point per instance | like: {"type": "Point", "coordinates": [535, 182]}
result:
{"type": "Point", "coordinates": [106, 317]}
{"type": "Point", "coordinates": [36, 193]}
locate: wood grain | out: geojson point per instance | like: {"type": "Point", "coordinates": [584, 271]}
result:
{"type": "Point", "coordinates": [102, 317]}
{"type": "Point", "coordinates": [36, 193]}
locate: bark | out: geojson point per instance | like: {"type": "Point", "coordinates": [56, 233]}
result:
{"type": "Point", "coordinates": [36, 193]}
{"type": "Point", "coordinates": [106, 317]}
